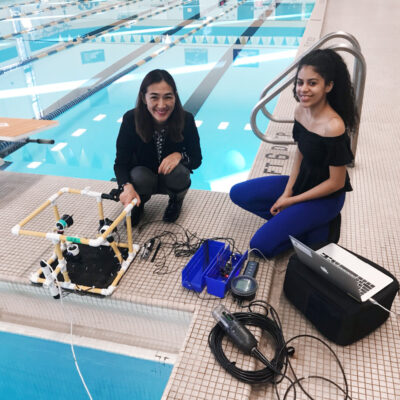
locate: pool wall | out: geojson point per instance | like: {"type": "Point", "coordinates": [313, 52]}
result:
{"type": "Point", "coordinates": [150, 326]}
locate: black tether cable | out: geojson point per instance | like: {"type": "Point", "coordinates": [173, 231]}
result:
{"type": "Point", "coordinates": [272, 369]}
{"type": "Point", "coordinates": [276, 369]}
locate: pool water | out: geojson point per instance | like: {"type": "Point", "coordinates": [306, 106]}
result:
{"type": "Point", "coordinates": [45, 370]}
{"type": "Point", "coordinates": [220, 71]}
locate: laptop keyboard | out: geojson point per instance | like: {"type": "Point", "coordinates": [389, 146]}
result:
{"type": "Point", "coordinates": [363, 285]}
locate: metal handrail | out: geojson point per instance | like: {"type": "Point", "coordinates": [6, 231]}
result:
{"type": "Point", "coordinates": [359, 76]}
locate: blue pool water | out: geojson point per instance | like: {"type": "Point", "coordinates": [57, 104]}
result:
{"type": "Point", "coordinates": [45, 370]}
{"type": "Point", "coordinates": [220, 71]}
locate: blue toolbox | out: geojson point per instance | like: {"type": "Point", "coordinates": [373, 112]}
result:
{"type": "Point", "coordinates": [213, 265]}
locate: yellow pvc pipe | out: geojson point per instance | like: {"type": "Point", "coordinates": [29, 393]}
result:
{"type": "Point", "coordinates": [117, 252]}
{"type": "Point", "coordinates": [129, 232]}
{"type": "Point", "coordinates": [34, 213]}
{"type": "Point", "coordinates": [75, 191]}
{"type": "Point", "coordinates": [89, 289]}
{"type": "Point", "coordinates": [101, 211]}
{"type": "Point", "coordinates": [78, 287]}
{"type": "Point", "coordinates": [32, 233]}
{"type": "Point", "coordinates": [115, 223]}
{"type": "Point", "coordinates": [64, 238]}
{"type": "Point", "coordinates": [56, 213]}
{"type": "Point", "coordinates": [118, 278]}
{"type": "Point", "coordinates": [60, 257]}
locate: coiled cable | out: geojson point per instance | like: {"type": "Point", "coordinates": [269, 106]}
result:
{"type": "Point", "coordinates": [272, 368]}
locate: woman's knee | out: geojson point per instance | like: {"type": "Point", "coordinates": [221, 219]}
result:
{"type": "Point", "coordinates": [238, 193]}
{"type": "Point", "coordinates": [144, 180]}
{"type": "Point", "coordinates": [178, 179]}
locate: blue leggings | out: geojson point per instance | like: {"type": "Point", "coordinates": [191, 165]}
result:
{"type": "Point", "coordinates": [308, 221]}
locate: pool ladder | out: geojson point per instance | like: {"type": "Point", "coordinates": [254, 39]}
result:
{"type": "Point", "coordinates": [358, 79]}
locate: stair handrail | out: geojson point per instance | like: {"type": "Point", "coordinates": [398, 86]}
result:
{"type": "Point", "coordinates": [358, 78]}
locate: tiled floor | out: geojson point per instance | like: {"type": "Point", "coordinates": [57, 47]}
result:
{"type": "Point", "coordinates": [370, 227]}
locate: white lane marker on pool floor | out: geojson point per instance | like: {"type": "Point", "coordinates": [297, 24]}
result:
{"type": "Point", "coordinates": [79, 132]}
{"type": "Point", "coordinates": [34, 164]}
{"type": "Point", "coordinates": [99, 117]}
{"type": "Point", "coordinates": [223, 125]}
{"type": "Point", "coordinates": [198, 123]}
{"type": "Point", "coordinates": [59, 146]}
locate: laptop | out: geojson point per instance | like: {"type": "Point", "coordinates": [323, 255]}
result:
{"type": "Point", "coordinates": [357, 278]}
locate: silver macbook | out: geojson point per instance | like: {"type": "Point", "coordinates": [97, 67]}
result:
{"type": "Point", "coordinates": [354, 276]}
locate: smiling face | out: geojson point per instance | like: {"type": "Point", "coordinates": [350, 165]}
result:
{"type": "Point", "coordinates": [160, 101]}
{"type": "Point", "coordinates": [311, 88]}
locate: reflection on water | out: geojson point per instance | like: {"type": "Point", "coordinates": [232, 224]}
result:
{"type": "Point", "coordinates": [220, 71]}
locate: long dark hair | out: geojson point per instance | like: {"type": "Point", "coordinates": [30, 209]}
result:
{"type": "Point", "coordinates": [144, 121]}
{"type": "Point", "coordinates": [332, 68]}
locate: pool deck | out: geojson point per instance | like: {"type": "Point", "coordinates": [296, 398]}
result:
{"type": "Point", "coordinates": [370, 227]}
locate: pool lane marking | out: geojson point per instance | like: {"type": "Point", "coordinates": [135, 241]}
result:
{"type": "Point", "coordinates": [99, 117]}
{"type": "Point", "coordinates": [112, 69]}
{"type": "Point", "coordinates": [79, 40]}
{"type": "Point", "coordinates": [79, 132]}
{"type": "Point", "coordinates": [204, 89]}
{"type": "Point", "coordinates": [223, 125]}
{"type": "Point", "coordinates": [68, 19]}
{"type": "Point", "coordinates": [40, 10]}
{"type": "Point", "coordinates": [107, 72]}
{"type": "Point", "coordinates": [59, 146]}
{"type": "Point", "coordinates": [141, 62]}
{"type": "Point", "coordinates": [64, 45]}
{"type": "Point", "coordinates": [21, 4]}
{"type": "Point", "coordinates": [34, 164]}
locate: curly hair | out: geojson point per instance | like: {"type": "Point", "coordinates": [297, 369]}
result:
{"type": "Point", "coordinates": [143, 119]}
{"type": "Point", "coordinates": [332, 68]}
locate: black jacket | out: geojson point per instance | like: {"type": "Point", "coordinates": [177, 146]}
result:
{"type": "Point", "coordinates": [132, 151]}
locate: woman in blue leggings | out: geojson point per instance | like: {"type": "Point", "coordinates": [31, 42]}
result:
{"type": "Point", "coordinates": [304, 203]}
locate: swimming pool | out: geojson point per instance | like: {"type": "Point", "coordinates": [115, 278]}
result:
{"type": "Point", "coordinates": [224, 53]}
{"type": "Point", "coordinates": [45, 370]}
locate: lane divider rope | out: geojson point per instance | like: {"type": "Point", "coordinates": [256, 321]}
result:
{"type": "Point", "coordinates": [152, 56]}
{"type": "Point", "coordinates": [91, 36]}
{"type": "Point", "coordinates": [38, 11]}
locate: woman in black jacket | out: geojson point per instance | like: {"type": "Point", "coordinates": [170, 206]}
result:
{"type": "Point", "coordinates": [158, 146]}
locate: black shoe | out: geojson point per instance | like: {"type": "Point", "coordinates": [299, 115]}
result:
{"type": "Point", "coordinates": [173, 209]}
{"type": "Point", "coordinates": [137, 213]}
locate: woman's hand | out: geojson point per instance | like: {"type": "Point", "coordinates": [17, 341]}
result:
{"type": "Point", "coordinates": [128, 194]}
{"type": "Point", "coordinates": [283, 202]}
{"type": "Point", "coordinates": [169, 163]}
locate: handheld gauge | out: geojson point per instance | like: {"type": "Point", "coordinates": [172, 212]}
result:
{"type": "Point", "coordinates": [244, 287]}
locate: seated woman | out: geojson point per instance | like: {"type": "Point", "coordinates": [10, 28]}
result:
{"type": "Point", "coordinates": [304, 203]}
{"type": "Point", "coordinates": [158, 146]}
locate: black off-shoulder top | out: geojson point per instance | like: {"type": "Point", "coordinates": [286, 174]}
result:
{"type": "Point", "coordinates": [320, 152]}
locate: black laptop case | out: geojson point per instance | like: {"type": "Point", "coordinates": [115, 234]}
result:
{"type": "Point", "coordinates": [335, 314]}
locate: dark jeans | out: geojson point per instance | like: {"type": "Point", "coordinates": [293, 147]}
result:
{"type": "Point", "coordinates": [147, 183]}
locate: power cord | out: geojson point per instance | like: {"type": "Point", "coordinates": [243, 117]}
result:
{"type": "Point", "coordinates": [183, 243]}
{"type": "Point", "coordinates": [373, 301]}
{"type": "Point", "coordinates": [298, 381]}
{"type": "Point", "coordinates": [71, 335]}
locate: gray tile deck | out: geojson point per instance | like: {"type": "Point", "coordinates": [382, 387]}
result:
{"type": "Point", "coordinates": [371, 219]}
